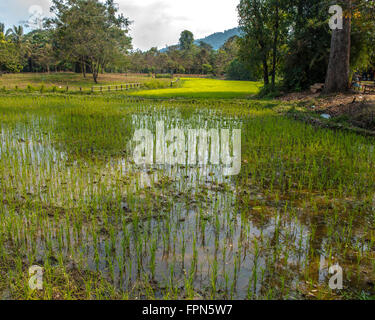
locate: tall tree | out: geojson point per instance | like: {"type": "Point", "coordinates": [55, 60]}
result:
{"type": "Point", "coordinates": [253, 15]}
{"type": "Point", "coordinates": [9, 56]}
{"type": "Point", "coordinates": [337, 78]}
{"type": "Point", "coordinates": [89, 32]}
{"type": "Point", "coordinates": [186, 40]}
{"type": "Point", "coordinates": [307, 44]}
{"type": "Point", "coordinates": [16, 34]}
{"type": "Point", "coordinates": [262, 24]}
{"type": "Point", "coordinates": [276, 4]}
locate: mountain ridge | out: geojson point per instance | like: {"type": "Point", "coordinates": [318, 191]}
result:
{"type": "Point", "coordinates": [217, 39]}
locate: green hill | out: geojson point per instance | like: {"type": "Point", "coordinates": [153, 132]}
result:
{"type": "Point", "coordinates": [217, 39]}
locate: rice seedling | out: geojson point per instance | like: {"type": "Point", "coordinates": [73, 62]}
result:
{"type": "Point", "coordinates": [74, 202]}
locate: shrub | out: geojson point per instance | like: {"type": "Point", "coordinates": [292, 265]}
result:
{"type": "Point", "coordinates": [154, 84]}
{"type": "Point", "coordinates": [164, 76]}
{"type": "Point", "coordinates": [207, 68]}
{"type": "Point", "coordinates": [269, 92]}
{"type": "Point", "coordinates": [237, 70]}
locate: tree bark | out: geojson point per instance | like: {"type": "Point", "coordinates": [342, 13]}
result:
{"type": "Point", "coordinates": [275, 40]}
{"type": "Point", "coordinates": [338, 73]}
{"type": "Point", "coordinates": [83, 66]}
{"type": "Point", "coordinates": [265, 72]}
{"type": "Point", "coordinates": [95, 71]}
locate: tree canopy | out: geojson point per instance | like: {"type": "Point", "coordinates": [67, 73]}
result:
{"type": "Point", "coordinates": [89, 32]}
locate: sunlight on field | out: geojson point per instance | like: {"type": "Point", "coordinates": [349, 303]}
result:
{"type": "Point", "coordinates": [206, 88]}
{"type": "Point", "coordinates": [73, 80]}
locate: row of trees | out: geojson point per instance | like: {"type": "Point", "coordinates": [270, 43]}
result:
{"type": "Point", "coordinates": [89, 36]}
{"type": "Point", "coordinates": [9, 50]}
{"type": "Point", "coordinates": [281, 39]}
{"type": "Point", "coordinates": [187, 57]}
{"type": "Point", "coordinates": [31, 52]}
{"type": "Point", "coordinates": [85, 36]}
{"type": "Point", "coordinates": [292, 39]}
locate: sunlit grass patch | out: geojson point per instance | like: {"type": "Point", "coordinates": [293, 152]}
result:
{"type": "Point", "coordinates": [206, 88]}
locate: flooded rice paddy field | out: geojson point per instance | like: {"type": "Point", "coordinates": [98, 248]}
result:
{"type": "Point", "coordinates": [75, 201]}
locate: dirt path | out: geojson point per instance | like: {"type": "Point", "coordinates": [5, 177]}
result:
{"type": "Point", "coordinates": [352, 109]}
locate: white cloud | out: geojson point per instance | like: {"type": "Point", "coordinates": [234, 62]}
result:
{"type": "Point", "coordinates": [160, 22]}
{"type": "Point", "coordinates": [156, 22]}
{"type": "Point", "coordinates": [16, 12]}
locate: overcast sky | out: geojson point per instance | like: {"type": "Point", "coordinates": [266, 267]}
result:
{"type": "Point", "coordinates": [156, 22]}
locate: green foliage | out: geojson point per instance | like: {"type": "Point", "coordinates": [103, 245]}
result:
{"type": "Point", "coordinates": [10, 60]}
{"type": "Point", "coordinates": [207, 68]}
{"type": "Point", "coordinates": [186, 40]}
{"type": "Point", "coordinates": [90, 33]}
{"type": "Point", "coordinates": [238, 70]}
{"type": "Point", "coordinates": [163, 75]}
{"type": "Point", "coordinates": [363, 37]}
{"type": "Point", "coordinates": [154, 84]}
{"type": "Point", "coordinates": [307, 56]}
{"type": "Point", "coordinates": [269, 92]}
{"type": "Point", "coordinates": [265, 29]}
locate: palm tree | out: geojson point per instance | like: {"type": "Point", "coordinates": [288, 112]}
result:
{"type": "Point", "coordinates": [2, 27]}
{"type": "Point", "coordinates": [16, 34]}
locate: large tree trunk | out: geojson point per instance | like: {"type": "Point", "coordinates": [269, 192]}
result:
{"type": "Point", "coordinates": [338, 73]}
{"type": "Point", "coordinates": [95, 71]}
{"type": "Point", "coordinates": [83, 67]}
{"type": "Point", "coordinates": [265, 72]}
{"type": "Point", "coordinates": [275, 40]}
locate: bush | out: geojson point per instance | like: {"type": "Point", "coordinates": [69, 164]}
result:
{"type": "Point", "coordinates": [207, 68]}
{"type": "Point", "coordinates": [237, 70]}
{"type": "Point", "coordinates": [155, 84]}
{"type": "Point", "coordinates": [163, 76]}
{"type": "Point", "coordinates": [269, 92]}
{"type": "Point", "coordinates": [181, 70]}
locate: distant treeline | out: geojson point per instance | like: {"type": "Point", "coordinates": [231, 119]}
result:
{"type": "Point", "coordinates": [284, 43]}
{"type": "Point", "coordinates": [189, 58]}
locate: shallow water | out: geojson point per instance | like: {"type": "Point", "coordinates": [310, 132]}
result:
{"type": "Point", "coordinates": [160, 229]}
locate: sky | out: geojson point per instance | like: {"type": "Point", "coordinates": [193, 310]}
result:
{"type": "Point", "coordinates": [156, 23]}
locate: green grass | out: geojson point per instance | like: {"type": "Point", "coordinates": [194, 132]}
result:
{"type": "Point", "coordinates": [73, 80]}
{"type": "Point", "coordinates": [152, 88]}
{"type": "Point", "coordinates": [205, 89]}
{"type": "Point", "coordinates": [74, 203]}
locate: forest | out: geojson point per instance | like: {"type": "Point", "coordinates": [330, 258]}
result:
{"type": "Point", "coordinates": [287, 42]}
